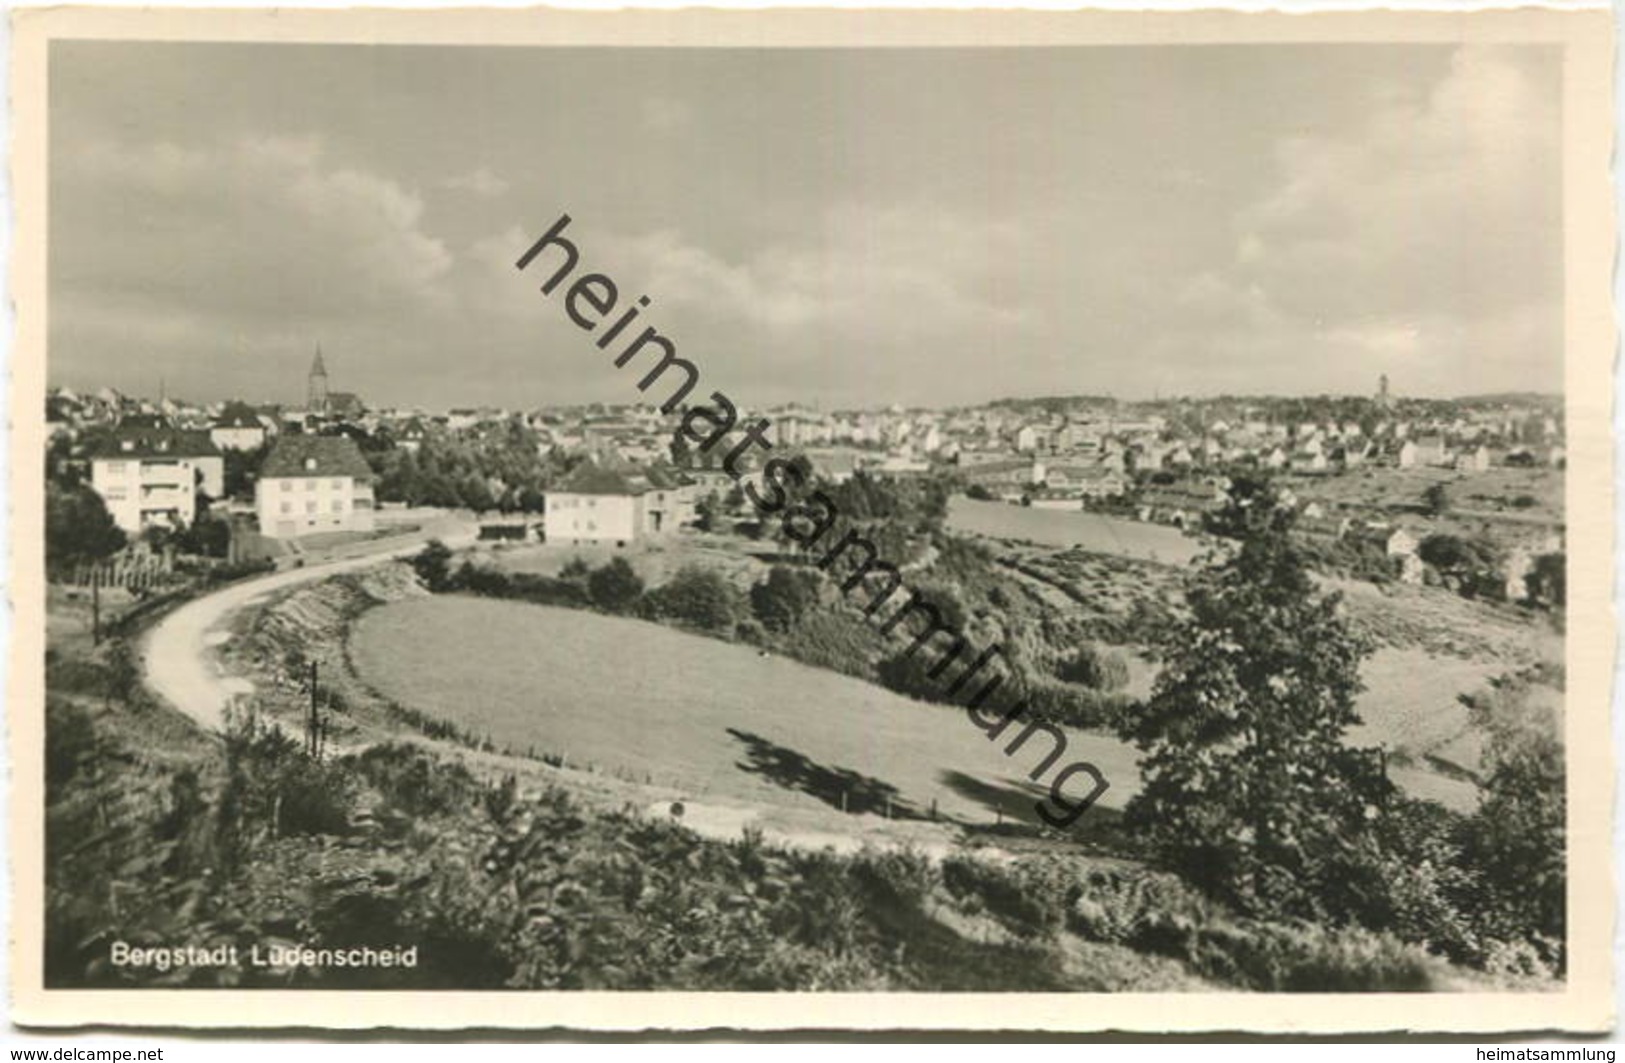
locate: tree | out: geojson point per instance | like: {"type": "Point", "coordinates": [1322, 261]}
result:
{"type": "Point", "coordinates": [1547, 581]}
{"type": "Point", "coordinates": [242, 470]}
{"type": "Point", "coordinates": [706, 512]}
{"type": "Point", "coordinates": [784, 597]}
{"type": "Point", "coordinates": [1436, 500]}
{"type": "Point", "coordinates": [206, 538]}
{"type": "Point", "coordinates": [78, 528]}
{"type": "Point", "coordinates": [1517, 841]}
{"type": "Point", "coordinates": [616, 586]}
{"type": "Point", "coordinates": [700, 597]}
{"type": "Point", "coordinates": [433, 565]}
{"type": "Point", "coordinates": [1249, 789]}
{"type": "Point", "coordinates": [1472, 566]}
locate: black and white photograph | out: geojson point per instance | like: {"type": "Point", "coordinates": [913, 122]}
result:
{"type": "Point", "coordinates": [790, 516]}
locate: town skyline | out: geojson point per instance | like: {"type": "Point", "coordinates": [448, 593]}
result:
{"type": "Point", "coordinates": [293, 399]}
{"type": "Point", "coordinates": [1187, 226]}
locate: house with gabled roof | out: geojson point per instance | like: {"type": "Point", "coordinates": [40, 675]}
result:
{"type": "Point", "coordinates": [237, 428]}
{"type": "Point", "coordinates": [311, 484]}
{"type": "Point", "coordinates": [605, 502]}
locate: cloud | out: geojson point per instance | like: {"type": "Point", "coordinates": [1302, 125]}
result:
{"type": "Point", "coordinates": [1426, 241]}
{"type": "Point", "coordinates": [480, 182]}
{"type": "Point", "coordinates": [187, 254]}
{"type": "Point", "coordinates": [253, 230]}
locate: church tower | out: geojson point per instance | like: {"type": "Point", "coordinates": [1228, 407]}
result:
{"type": "Point", "coordinates": [1382, 391]}
{"type": "Point", "coordinates": [316, 388]}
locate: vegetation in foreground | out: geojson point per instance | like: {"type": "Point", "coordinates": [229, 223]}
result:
{"type": "Point", "coordinates": [256, 844]}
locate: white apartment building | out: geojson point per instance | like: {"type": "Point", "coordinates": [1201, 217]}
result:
{"type": "Point", "coordinates": [151, 476]}
{"type": "Point", "coordinates": [312, 484]}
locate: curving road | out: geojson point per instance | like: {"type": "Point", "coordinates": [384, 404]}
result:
{"type": "Point", "coordinates": [177, 656]}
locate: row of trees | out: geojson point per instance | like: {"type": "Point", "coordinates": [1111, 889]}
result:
{"type": "Point", "coordinates": [504, 468]}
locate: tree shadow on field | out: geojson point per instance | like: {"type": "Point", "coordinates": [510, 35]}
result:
{"type": "Point", "coordinates": [842, 788]}
{"type": "Point", "coordinates": [1013, 801]}
{"type": "Point", "coordinates": [1013, 804]}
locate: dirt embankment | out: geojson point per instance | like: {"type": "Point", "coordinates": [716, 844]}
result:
{"type": "Point", "coordinates": [276, 646]}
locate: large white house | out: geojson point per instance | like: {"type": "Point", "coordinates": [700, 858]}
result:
{"type": "Point", "coordinates": [150, 475]}
{"type": "Point", "coordinates": [602, 504]}
{"type": "Point", "coordinates": [312, 484]}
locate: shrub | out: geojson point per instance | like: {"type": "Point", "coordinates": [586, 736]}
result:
{"type": "Point", "coordinates": [1031, 897]}
{"type": "Point", "coordinates": [1091, 668]}
{"type": "Point", "coordinates": [834, 639]}
{"type": "Point", "coordinates": [433, 565]}
{"type": "Point", "coordinates": [1151, 910]}
{"type": "Point", "coordinates": [1070, 704]}
{"type": "Point", "coordinates": [699, 597]}
{"type": "Point", "coordinates": [412, 780]}
{"type": "Point", "coordinates": [785, 596]}
{"type": "Point", "coordinates": [616, 587]}
{"type": "Point", "coordinates": [70, 741]}
{"type": "Point", "coordinates": [1305, 958]}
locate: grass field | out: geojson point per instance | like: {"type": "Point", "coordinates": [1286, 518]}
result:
{"type": "Point", "coordinates": [1094, 532]}
{"type": "Point", "coordinates": [1485, 502]}
{"type": "Point", "coordinates": [655, 705]}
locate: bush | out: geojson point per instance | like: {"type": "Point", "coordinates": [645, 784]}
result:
{"type": "Point", "coordinates": [785, 596]}
{"type": "Point", "coordinates": [433, 565]}
{"type": "Point", "coordinates": [616, 587]}
{"type": "Point", "coordinates": [835, 640]}
{"type": "Point", "coordinates": [70, 742]}
{"type": "Point", "coordinates": [908, 673]}
{"type": "Point", "coordinates": [1149, 910]}
{"type": "Point", "coordinates": [1306, 958]}
{"type": "Point", "coordinates": [414, 781]}
{"type": "Point", "coordinates": [1031, 897]}
{"type": "Point", "coordinates": [1091, 668]}
{"type": "Point", "coordinates": [1072, 705]}
{"type": "Point", "coordinates": [698, 597]}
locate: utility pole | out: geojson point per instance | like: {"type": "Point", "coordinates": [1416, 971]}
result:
{"type": "Point", "coordinates": [315, 718]}
{"type": "Point", "coordinates": [95, 606]}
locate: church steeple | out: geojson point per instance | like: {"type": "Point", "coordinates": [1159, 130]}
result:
{"type": "Point", "coordinates": [316, 390]}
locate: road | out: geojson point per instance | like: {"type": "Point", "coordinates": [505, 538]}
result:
{"type": "Point", "coordinates": [177, 654]}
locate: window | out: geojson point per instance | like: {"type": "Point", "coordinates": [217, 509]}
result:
{"type": "Point", "coordinates": [338, 505]}
{"type": "Point", "coordinates": [310, 485]}
{"type": "Point", "coordinates": [287, 507]}
{"type": "Point", "coordinates": [310, 507]}
{"type": "Point", "coordinates": [115, 468]}
{"type": "Point", "coordinates": [337, 485]}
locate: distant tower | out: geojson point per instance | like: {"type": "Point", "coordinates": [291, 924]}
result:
{"type": "Point", "coordinates": [1382, 391]}
{"type": "Point", "coordinates": [316, 389]}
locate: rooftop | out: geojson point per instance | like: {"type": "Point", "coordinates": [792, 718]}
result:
{"type": "Point", "coordinates": [307, 455]}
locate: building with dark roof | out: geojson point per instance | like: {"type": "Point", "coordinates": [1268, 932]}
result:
{"type": "Point", "coordinates": [151, 475]}
{"type": "Point", "coordinates": [312, 484]}
{"type": "Point", "coordinates": [237, 428]}
{"type": "Point", "coordinates": [603, 502]}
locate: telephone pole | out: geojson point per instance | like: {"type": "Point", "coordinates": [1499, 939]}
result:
{"type": "Point", "coordinates": [315, 718]}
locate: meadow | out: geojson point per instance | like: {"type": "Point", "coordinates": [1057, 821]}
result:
{"type": "Point", "coordinates": [1093, 532]}
{"type": "Point", "coordinates": [713, 719]}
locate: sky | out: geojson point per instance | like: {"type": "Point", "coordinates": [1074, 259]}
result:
{"type": "Point", "coordinates": [837, 228]}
